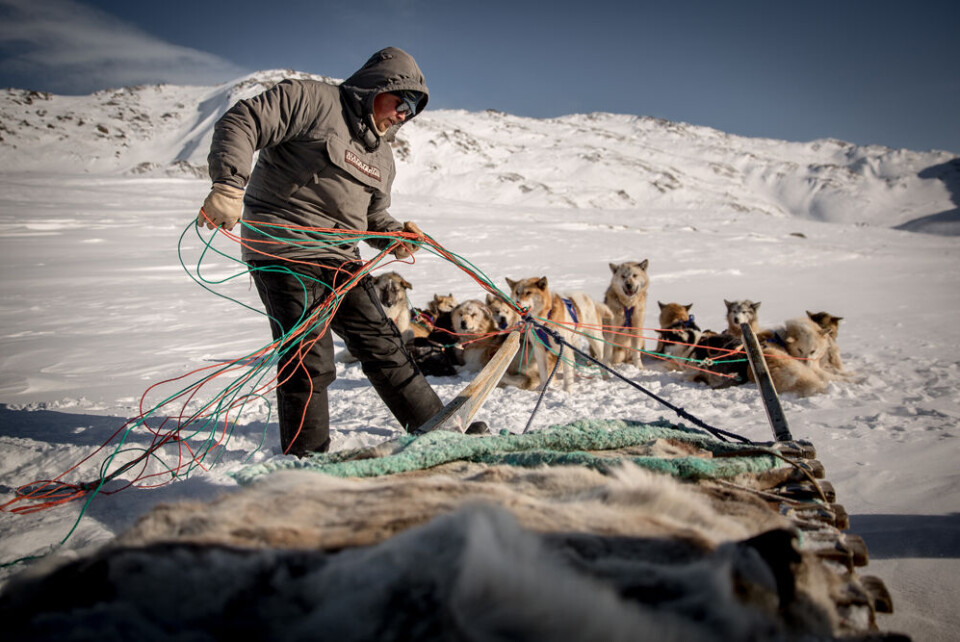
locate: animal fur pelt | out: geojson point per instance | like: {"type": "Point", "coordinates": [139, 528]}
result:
{"type": "Point", "coordinates": [291, 558]}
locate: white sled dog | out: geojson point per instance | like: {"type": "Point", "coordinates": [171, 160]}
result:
{"type": "Point", "coordinates": [742, 311]}
{"type": "Point", "coordinates": [573, 316]}
{"type": "Point", "coordinates": [627, 299]}
{"type": "Point", "coordinates": [478, 333]}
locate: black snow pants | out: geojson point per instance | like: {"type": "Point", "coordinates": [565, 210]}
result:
{"type": "Point", "coordinates": [306, 367]}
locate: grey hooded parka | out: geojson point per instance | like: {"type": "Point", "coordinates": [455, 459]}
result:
{"type": "Point", "coordinates": [322, 163]}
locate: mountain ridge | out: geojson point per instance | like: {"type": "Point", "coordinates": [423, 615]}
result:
{"type": "Point", "coordinates": [589, 161]}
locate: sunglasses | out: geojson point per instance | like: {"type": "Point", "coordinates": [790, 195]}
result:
{"type": "Point", "coordinates": [408, 102]}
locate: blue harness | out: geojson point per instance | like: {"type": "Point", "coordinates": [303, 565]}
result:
{"type": "Point", "coordinates": [571, 308]}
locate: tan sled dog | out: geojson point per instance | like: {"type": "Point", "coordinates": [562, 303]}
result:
{"type": "Point", "coordinates": [522, 372]}
{"type": "Point", "coordinates": [478, 333]}
{"type": "Point", "coordinates": [534, 294]}
{"type": "Point", "coordinates": [627, 299]}
{"type": "Point", "coordinates": [793, 354]}
{"type": "Point", "coordinates": [831, 361]}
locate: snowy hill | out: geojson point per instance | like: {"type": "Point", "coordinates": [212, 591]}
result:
{"type": "Point", "coordinates": [605, 161]}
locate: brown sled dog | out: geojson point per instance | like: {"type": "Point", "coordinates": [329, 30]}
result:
{"type": "Point", "coordinates": [568, 316]}
{"type": "Point", "coordinates": [678, 334]}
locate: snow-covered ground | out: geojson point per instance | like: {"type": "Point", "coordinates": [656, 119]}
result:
{"type": "Point", "coordinates": [95, 307]}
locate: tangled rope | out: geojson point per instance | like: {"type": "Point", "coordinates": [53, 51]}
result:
{"type": "Point", "coordinates": [189, 429]}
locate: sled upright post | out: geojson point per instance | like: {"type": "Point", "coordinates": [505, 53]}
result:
{"type": "Point", "coordinates": [768, 393]}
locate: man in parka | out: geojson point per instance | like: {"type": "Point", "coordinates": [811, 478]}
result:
{"type": "Point", "coordinates": [324, 162]}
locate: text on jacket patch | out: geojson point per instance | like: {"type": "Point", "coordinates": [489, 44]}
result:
{"type": "Point", "coordinates": [354, 160]}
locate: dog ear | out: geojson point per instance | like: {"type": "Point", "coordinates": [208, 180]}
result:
{"type": "Point", "coordinates": [662, 306]}
{"type": "Point", "coordinates": [613, 267]}
{"type": "Point", "coordinates": [687, 307]}
{"type": "Point", "coordinates": [406, 284]}
{"type": "Point", "coordinates": [755, 306]}
{"type": "Point", "coordinates": [542, 283]}
{"type": "Point", "coordinates": [511, 282]}
{"type": "Point", "coordinates": [644, 263]}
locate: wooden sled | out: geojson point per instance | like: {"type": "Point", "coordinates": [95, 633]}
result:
{"type": "Point", "coordinates": [457, 414]}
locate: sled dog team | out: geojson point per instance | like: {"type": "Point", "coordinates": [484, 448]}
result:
{"type": "Point", "coordinates": [802, 354]}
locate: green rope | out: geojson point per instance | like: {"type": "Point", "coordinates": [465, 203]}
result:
{"type": "Point", "coordinates": [558, 445]}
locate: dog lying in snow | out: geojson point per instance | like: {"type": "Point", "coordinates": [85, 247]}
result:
{"type": "Point", "coordinates": [479, 335]}
{"type": "Point", "coordinates": [435, 346]}
{"type": "Point", "coordinates": [739, 312]}
{"type": "Point", "coordinates": [792, 353]}
{"type": "Point", "coordinates": [626, 297]}
{"type": "Point", "coordinates": [831, 361]}
{"type": "Point", "coordinates": [678, 333]}
{"type": "Point", "coordinates": [720, 355]}
{"type": "Point", "coordinates": [573, 316]}
{"type": "Point", "coordinates": [436, 315]}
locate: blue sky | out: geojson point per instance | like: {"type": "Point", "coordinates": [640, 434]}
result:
{"type": "Point", "coordinates": [865, 71]}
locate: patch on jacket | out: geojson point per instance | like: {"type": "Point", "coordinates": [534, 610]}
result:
{"type": "Point", "coordinates": [369, 170]}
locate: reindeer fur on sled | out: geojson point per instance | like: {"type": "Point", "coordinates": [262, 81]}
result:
{"type": "Point", "coordinates": [469, 553]}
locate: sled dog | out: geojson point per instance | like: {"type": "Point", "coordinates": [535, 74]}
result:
{"type": "Point", "coordinates": [678, 333]}
{"type": "Point", "coordinates": [573, 316]}
{"type": "Point", "coordinates": [743, 311]}
{"type": "Point", "coordinates": [627, 299]}
{"type": "Point", "coordinates": [478, 333]}
{"type": "Point", "coordinates": [392, 291]}
{"type": "Point", "coordinates": [721, 355]}
{"type": "Point", "coordinates": [792, 353]}
{"type": "Point", "coordinates": [522, 371]}
{"type": "Point", "coordinates": [423, 322]}
{"type": "Point", "coordinates": [831, 361]}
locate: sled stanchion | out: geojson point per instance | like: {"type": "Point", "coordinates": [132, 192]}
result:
{"type": "Point", "coordinates": [456, 415]}
{"type": "Point", "coordinates": [768, 393]}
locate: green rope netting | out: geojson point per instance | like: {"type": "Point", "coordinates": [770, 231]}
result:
{"type": "Point", "coordinates": [554, 446]}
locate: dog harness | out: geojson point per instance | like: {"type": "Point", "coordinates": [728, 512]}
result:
{"type": "Point", "coordinates": [571, 308]}
{"type": "Point", "coordinates": [776, 339]}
